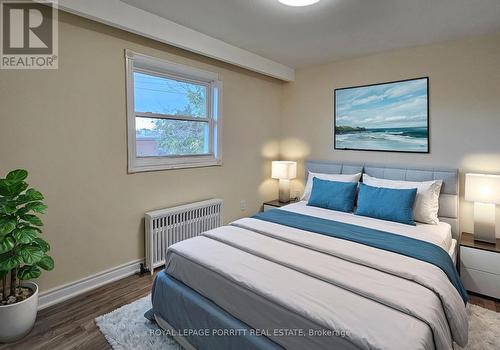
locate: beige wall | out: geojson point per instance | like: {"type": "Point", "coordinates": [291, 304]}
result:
{"type": "Point", "coordinates": [68, 128]}
{"type": "Point", "coordinates": [464, 107]}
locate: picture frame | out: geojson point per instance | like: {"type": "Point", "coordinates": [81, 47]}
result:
{"type": "Point", "coordinates": [383, 117]}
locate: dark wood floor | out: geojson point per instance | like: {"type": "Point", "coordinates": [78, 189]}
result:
{"type": "Point", "coordinates": [487, 303]}
{"type": "Point", "coordinates": [70, 325]}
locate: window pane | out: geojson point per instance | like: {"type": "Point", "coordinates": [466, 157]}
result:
{"type": "Point", "coordinates": [164, 137]}
{"type": "Point", "coordinates": [168, 96]}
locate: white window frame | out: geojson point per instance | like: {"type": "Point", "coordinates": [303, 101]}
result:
{"type": "Point", "coordinates": [136, 62]}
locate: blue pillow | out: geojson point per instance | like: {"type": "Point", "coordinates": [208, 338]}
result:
{"type": "Point", "coordinates": [387, 203]}
{"type": "Point", "coordinates": [333, 195]}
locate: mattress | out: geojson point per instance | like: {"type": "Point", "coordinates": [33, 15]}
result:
{"type": "Point", "coordinates": [439, 234]}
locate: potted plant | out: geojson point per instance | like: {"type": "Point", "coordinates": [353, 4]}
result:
{"type": "Point", "coordinates": [22, 254]}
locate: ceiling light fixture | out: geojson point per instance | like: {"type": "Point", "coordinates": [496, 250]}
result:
{"type": "Point", "coordinates": [297, 3]}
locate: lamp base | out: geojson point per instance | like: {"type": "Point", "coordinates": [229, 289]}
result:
{"type": "Point", "coordinates": [284, 192]}
{"type": "Point", "coordinates": [484, 222]}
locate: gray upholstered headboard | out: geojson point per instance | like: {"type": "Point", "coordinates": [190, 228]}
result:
{"type": "Point", "coordinates": [448, 200]}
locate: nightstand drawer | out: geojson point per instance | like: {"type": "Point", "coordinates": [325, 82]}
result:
{"type": "Point", "coordinates": [481, 260]}
{"type": "Point", "coordinates": [481, 282]}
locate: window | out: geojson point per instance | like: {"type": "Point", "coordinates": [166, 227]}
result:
{"type": "Point", "coordinates": [174, 117]}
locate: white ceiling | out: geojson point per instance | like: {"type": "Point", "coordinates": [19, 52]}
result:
{"type": "Point", "coordinates": [332, 29]}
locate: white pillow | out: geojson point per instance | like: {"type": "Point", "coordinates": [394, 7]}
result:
{"type": "Point", "coordinates": [329, 177]}
{"type": "Point", "coordinates": [426, 205]}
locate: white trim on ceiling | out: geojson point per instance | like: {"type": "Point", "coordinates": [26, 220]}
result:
{"type": "Point", "coordinates": [132, 19]}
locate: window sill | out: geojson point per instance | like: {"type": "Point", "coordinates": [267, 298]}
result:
{"type": "Point", "coordinates": [132, 169]}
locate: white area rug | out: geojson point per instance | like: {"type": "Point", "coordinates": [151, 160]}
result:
{"type": "Point", "coordinates": [127, 329]}
{"type": "Point", "coordinates": [484, 328]}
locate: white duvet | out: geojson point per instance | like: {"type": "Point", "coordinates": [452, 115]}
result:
{"type": "Point", "coordinates": [275, 277]}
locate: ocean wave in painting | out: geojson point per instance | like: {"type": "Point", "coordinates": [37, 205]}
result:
{"type": "Point", "coordinates": [402, 139]}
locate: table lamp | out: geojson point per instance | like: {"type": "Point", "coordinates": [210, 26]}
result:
{"type": "Point", "coordinates": [484, 191]}
{"type": "Point", "coordinates": [284, 171]}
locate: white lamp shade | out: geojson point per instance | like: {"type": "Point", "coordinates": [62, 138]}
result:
{"type": "Point", "coordinates": [284, 170]}
{"type": "Point", "coordinates": [482, 188]}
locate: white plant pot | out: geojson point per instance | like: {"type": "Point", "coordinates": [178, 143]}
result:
{"type": "Point", "coordinates": [17, 320]}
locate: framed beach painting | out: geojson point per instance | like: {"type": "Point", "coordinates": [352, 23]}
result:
{"type": "Point", "coordinates": [391, 117]}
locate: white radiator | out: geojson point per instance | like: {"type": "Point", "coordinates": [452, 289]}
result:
{"type": "Point", "coordinates": [168, 226]}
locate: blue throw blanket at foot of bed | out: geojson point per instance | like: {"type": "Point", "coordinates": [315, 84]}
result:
{"type": "Point", "coordinates": [188, 311]}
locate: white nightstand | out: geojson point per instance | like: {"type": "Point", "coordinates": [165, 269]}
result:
{"type": "Point", "coordinates": [480, 266]}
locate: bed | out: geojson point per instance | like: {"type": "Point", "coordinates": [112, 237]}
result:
{"type": "Point", "coordinates": [289, 279]}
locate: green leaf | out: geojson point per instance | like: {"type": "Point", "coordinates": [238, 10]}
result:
{"type": "Point", "coordinates": [22, 211]}
{"type": "Point", "coordinates": [27, 225]}
{"type": "Point", "coordinates": [34, 195]}
{"type": "Point", "coordinates": [40, 243]}
{"type": "Point", "coordinates": [17, 175]}
{"type": "Point", "coordinates": [7, 244]}
{"type": "Point", "coordinates": [8, 208]}
{"type": "Point", "coordinates": [46, 263]}
{"type": "Point", "coordinates": [12, 189]}
{"type": "Point", "coordinates": [8, 262]}
{"type": "Point", "coordinates": [7, 224]}
{"type": "Point", "coordinates": [38, 207]}
{"type": "Point", "coordinates": [30, 254]}
{"type": "Point", "coordinates": [25, 235]}
{"type": "Point", "coordinates": [3, 274]}
{"type": "Point", "coordinates": [31, 195]}
{"type": "Point", "coordinates": [23, 199]}
{"type": "Point", "coordinates": [4, 188]}
{"type": "Point", "coordinates": [28, 272]}
{"type": "Point", "coordinates": [32, 219]}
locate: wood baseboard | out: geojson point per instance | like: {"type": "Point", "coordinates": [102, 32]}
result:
{"type": "Point", "coordinates": [72, 289]}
